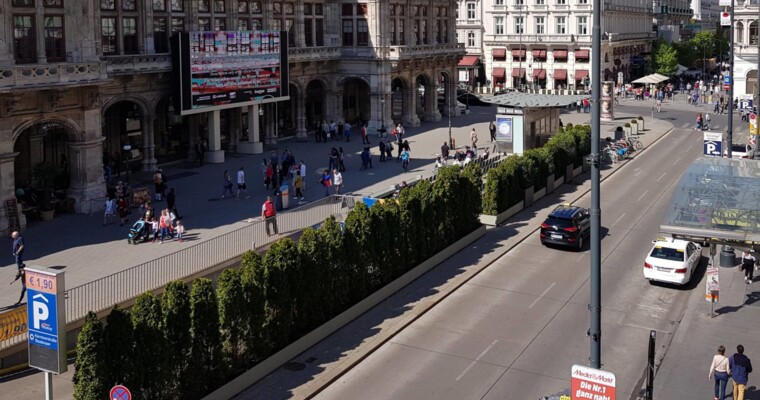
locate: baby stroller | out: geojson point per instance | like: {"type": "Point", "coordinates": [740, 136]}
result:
{"type": "Point", "coordinates": [138, 230]}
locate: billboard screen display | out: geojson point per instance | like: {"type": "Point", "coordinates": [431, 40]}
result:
{"type": "Point", "coordinates": [219, 69]}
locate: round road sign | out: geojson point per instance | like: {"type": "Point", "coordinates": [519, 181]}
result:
{"type": "Point", "coordinates": [120, 392]}
{"type": "Point", "coordinates": [752, 117]}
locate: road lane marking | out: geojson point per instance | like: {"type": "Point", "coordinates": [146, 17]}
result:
{"type": "Point", "coordinates": [677, 160]}
{"type": "Point", "coordinates": [661, 176]}
{"type": "Point", "coordinates": [542, 295]}
{"type": "Point", "coordinates": [619, 218]}
{"type": "Point", "coordinates": [636, 171]}
{"type": "Point", "coordinates": [642, 195]}
{"type": "Point", "coordinates": [472, 364]}
{"type": "Point", "coordinates": [689, 148]}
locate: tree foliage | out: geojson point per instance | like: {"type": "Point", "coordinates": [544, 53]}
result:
{"type": "Point", "coordinates": [90, 370]}
{"type": "Point", "coordinates": [206, 363]}
{"type": "Point", "coordinates": [119, 341]}
{"type": "Point", "coordinates": [666, 59]}
{"type": "Point", "coordinates": [232, 316]}
{"type": "Point", "coordinates": [150, 355]}
{"type": "Point", "coordinates": [175, 306]}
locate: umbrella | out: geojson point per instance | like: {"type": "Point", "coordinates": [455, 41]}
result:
{"type": "Point", "coordinates": [653, 78]}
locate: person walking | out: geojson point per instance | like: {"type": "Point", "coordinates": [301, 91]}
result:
{"type": "Point", "coordinates": [740, 367]}
{"type": "Point", "coordinates": [405, 160]}
{"type": "Point", "coordinates": [18, 249]}
{"type": "Point", "coordinates": [445, 151]}
{"type": "Point", "coordinates": [227, 184]}
{"type": "Point", "coordinates": [365, 138]}
{"type": "Point", "coordinates": [748, 265]}
{"type": "Point", "coordinates": [347, 131]}
{"type": "Point", "coordinates": [341, 155]}
{"type": "Point", "coordinates": [158, 184]}
{"type": "Point", "coordinates": [110, 210]}
{"type": "Point", "coordinates": [200, 151]}
{"type": "Point", "coordinates": [400, 131]}
{"type": "Point", "coordinates": [122, 207]}
{"type": "Point", "coordinates": [180, 229]}
{"type": "Point", "coordinates": [21, 274]}
{"type": "Point", "coordinates": [326, 181]}
{"type": "Point", "coordinates": [171, 202]}
{"type": "Point", "coordinates": [492, 130]}
{"type": "Point", "coordinates": [381, 147]}
{"type": "Point", "coordinates": [268, 174]}
{"type": "Point", "coordinates": [333, 159]}
{"type": "Point", "coordinates": [719, 371]}
{"type": "Point", "coordinates": [163, 225]}
{"type": "Point", "coordinates": [474, 138]}
{"type": "Point", "coordinates": [241, 183]}
{"type": "Point", "coordinates": [302, 170]}
{"type": "Point", "coordinates": [388, 150]}
{"type": "Point", "coordinates": [337, 181]}
{"type": "Point", "coordinates": [269, 215]}
{"type": "Point", "coordinates": [298, 183]}
{"type": "Point", "coordinates": [658, 104]}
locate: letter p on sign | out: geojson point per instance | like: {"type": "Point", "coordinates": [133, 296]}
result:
{"type": "Point", "coordinates": [41, 311]}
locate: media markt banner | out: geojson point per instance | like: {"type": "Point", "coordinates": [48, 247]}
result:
{"type": "Point", "coordinates": [591, 383]}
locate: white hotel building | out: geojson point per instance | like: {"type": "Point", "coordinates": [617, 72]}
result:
{"type": "Point", "coordinates": [546, 44]}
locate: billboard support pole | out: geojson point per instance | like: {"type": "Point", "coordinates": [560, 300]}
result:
{"type": "Point", "coordinates": [730, 136]}
{"type": "Point", "coordinates": [595, 299]}
{"type": "Point", "coordinates": [48, 386]}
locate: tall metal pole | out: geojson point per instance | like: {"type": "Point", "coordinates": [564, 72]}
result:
{"type": "Point", "coordinates": [595, 305]}
{"type": "Point", "coordinates": [730, 139]}
{"type": "Point", "coordinates": [756, 102]}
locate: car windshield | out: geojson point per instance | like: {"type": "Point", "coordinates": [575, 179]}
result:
{"type": "Point", "coordinates": [738, 147]}
{"type": "Point", "coordinates": [559, 222]}
{"type": "Point", "coordinates": [667, 253]}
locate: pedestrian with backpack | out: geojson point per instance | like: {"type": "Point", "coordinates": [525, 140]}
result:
{"type": "Point", "coordinates": [269, 215]}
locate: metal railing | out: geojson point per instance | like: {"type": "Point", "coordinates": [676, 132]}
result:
{"type": "Point", "coordinates": [104, 293]}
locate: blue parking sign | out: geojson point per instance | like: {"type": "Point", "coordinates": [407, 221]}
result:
{"type": "Point", "coordinates": [43, 325]}
{"type": "Point", "coordinates": [713, 144]}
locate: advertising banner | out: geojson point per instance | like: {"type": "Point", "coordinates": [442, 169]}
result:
{"type": "Point", "coordinates": [712, 285]}
{"type": "Point", "coordinates": [46, 317]}
{"type": "Point", "coordinates": [504, 129]}
{"type": "Point", "coordinates": [591, 383]}
{"type": "Point", "coordinates": [12, 323]}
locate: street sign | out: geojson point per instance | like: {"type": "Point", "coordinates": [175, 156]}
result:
{"type": "Point", "coordinates": [120, 392]}
{"type": "Point", "coordinates": [712, 286]}
{"type": "Point", "coordinates": [46, 316]}
{"type": "Point", "coordinates": [713, 144]}
{"type": "Point", "coordinates": [746, 104]}
{"type": "Point", "coordinates": [753, 116]}
{"type": "Point", "coordinates": [620, 78]}
{"type": "Point", "coordinates": [726, 82]}
{"type": "Point", "coordinates": [591, 383]}
{"type": "Point", "coordinates": [725, 19]}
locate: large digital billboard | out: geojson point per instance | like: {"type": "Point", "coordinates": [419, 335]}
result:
{"type": "Point", "coordinates": [214, 70]}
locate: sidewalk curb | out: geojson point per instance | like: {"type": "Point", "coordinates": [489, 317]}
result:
{"type": "Point", "coordinates": [443, 293]}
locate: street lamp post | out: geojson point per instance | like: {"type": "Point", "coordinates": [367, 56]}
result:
{"type": "Point", "coordinates": [127, 148]}
{"type": "Point", "coordinates": [382, 116]}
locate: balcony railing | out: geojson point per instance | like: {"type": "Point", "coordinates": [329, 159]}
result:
{"type": "Point", "coordinates": [138, 63]}
{"type": "Point", "coordinates": [513, 39]}
{"type": "Point", "coordinates": [616, 37]}
{"type": "Point", "coordinates": [51, 75]}
{"type": "Point", "coordinates": [429, 50]}
{"type": "Point", "coordinates": [306, 54]}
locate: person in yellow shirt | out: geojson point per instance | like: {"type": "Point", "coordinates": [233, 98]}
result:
{"type": "Point", "coordinates": [298, 184]}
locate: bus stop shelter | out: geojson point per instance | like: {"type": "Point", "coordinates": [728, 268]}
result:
{"type": "Point", "coordinates": [717, 201]}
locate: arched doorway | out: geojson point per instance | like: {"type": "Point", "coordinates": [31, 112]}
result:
{"type": "Point", "coordinates": [171, 133]}
{"type": "Point", "coordinates": [123, 131]}
{"type": "Point", "coordinates": [751, 87]}
{"type": "Point", "coordinates": [315, 103]}
{"type": "Point", "coordinates": [421, 91]}
{"type": "Point", "coordinates": [43, 157]}
{"type": "Point", "coordinates": [356, 101]}
{"type": "Point", "coordinates": [398, 105]}
{"type": "Point", "coordinates": [287, 113]}
{"type": "Point", "coordinates": [446, 105]}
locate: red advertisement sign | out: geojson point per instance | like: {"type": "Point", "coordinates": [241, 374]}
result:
{"type": "Point", "coordinates": [591, 384]}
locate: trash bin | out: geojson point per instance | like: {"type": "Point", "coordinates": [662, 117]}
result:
{"type": "Point", "coordinates": [285, 196]}
{"type": "Point", "coordinates": [727, 257]}
{"type": "Point", "coordinates": [278, 200]}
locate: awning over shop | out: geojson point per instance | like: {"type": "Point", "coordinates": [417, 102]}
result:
{"type": "Point", "coordinates": [539, 73]}
{"type": "Point", "coordinates": [519, 53]}
{"type": "Point", "coordinates": [499, 53]}
{"type": "Point", "coordinates": [560, 74]}
{"type": "Point", "coordinates": [539, 53]}
{"type": "Point", "coordinates": [581, 74]}
{"type": "Point", "coordinates": [717, 201]}
{"type": "Point", "coordinates": [518, 72]}
{"type": "Point", "coordinates": [581, 54]}
{"type": "Point", "coordinates": [560, 54]}
{"type": "Point", "coordinates": [499, 73]}
{"type": "Point", "coordinates": [468, 61]}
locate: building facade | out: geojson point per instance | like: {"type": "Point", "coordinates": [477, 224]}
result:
{"type": "Point", "coordinates": [546, 44]}
{"type": "Point", "coordinates": [85, 84]}
{"type": "Point", "coordinates": [670, 16]}
{"type": "Point", "coordinates": [745, 48]}
{"type": "Point", "coordinates": [470, 29]}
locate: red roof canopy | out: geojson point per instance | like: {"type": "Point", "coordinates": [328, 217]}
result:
{"type": "Point", "coordinates": [468, 61]}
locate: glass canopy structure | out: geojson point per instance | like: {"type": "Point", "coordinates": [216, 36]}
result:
{"type": "Point", "coordinates": [717, 201]}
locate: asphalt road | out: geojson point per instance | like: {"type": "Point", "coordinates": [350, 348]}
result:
{"type": "Point", "coordinates": [515, 330]}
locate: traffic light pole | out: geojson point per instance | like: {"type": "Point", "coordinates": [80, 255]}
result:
{"type": "Point", "coordinates": [595, 303]}
{"type": "Point", "coordinates": [730, 138]}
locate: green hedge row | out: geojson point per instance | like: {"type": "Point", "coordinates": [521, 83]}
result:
{"type": "Point", "coordinates": [505, 184]}
{"type": "Point", "coordinates": [188, 342]}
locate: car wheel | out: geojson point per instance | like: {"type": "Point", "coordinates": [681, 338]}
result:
{"type": "Point", "coordinates": [580, 243]}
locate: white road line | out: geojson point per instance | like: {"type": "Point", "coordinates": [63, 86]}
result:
{"type": "Point", "coordinates": [677, 160]}
{"type": "Point", "coordinates": [618, 220]}
{"type": "Point", "coordinates": [542, 295]}
{"type": "Point", "coordinates": [661, 176]}
{"type": "Point", "coordinates": [689, 148]}
{"type": "Point", "coordinates": [472, 364]}
{"type": "Point", "coordinates": [642, 195]}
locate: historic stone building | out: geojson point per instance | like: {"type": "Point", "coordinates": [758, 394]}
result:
{"type": "Point", "coordinates": [84, 83]}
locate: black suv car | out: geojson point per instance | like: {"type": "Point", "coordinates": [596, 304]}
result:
{"type": "Point", "coordinates": [567, 225]}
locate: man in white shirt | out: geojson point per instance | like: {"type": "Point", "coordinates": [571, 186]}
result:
{"type": "Point", "coordinates": [303, 175]}
{"type": "Point", "coordinates": [241, 183]}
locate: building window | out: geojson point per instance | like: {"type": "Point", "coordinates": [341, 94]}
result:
{"type": "Point", "coordinates": [355, 20]}
{"type": "Point", "coordinates": [362, 32]}
{"type": "Point", "coordinates": [519, 2]}
{"type": "Point", "coordinates": [540, 2]}
{"type": "Point", "coordinates": [219, 6]}
{"type": "Point", "coordinates": [561, 23]}
{"type": "Point", "coordinates": [108, 5]}
{"type": "Point", "coordinates": [129, 31]}
{"type": "Point", "coordinates": [498, 23]}
{"type": "Point", "coordinates": [178, 24]}
{"type": "Point", "coordinates": [108, 38]}
{"type": "Point", "coordinates": [55, 42]}
{"type": "Point", "coordinates": [348, 32]}
{"type": "Point", "coordinates": [582, 1]}
{"type": "Point", "coordinates": [204, 24]}
{"type": "Point", "coordinates": [519, 25]}
{"type": "Point", "coordinates": [470, 11]}
{"type": "Point", "coordinates": [540, 26]}
{"type": "Point", "coordinates": [160, 38]}
{"type": "Point", "coordinates": [159, 5]}
{"type": "Point", "coordinates": [561, 2]}
{"type": "Point", "coordinates": [290, 28]}
{"type": "Point", "coordinates": [24, 39]}
{"type": "Point", "coordinates": [53, 3]}
{"type": "Point", "coordinates": [203, 6]}
{"type": "Point", "coordinates": [583, 25]}
{"type": "Point", "coordinates": [177, 5]}
{"type": "Point", "coordinates": [470, 39]}
{"type": "Point", "coordinates": [313, 24]}
{"type": "Point", "coordinates": [22, 3]}
{"type": "Point", "coordinates": [397, 24]}
{"type": "Point", "coordinates": [442, 25]}
{"type": "Point", "coordinates": [498, 2]}
{"type": "Point", "coordinates": [128, 5]}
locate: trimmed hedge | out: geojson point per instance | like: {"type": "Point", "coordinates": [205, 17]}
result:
{"type": "Point", "coordinates": [505, 183]}
{"type": "Point", "coordinates": [205, 337]}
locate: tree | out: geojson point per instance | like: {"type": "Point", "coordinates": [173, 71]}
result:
{"type": "Point", "coordinates": [118, 339]}
{"type": "Point", "coordinates": [90, 371]}
{"type": "Point", "coordinates": [313, 301]}
{"type": "Point", "coordinates": [252, 277]}
{"type": "Point", "coordinates": [279, 262]}
{"type": "Point", "coordinates": [175, 304]}
{"type": "Point", "coordinates": [149, 353]}
{"type": "Point", "coordinates": [666, 60]}
{"type": "Point", "coordinates": [206, 360]}
{"type": "Point", "coordinates": [232, 315]}
{"type": "Point", "coordinates": [331, 236]}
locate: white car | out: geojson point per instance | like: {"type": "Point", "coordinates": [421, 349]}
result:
{"type": "Point", "coordinates": [672, 260]}
{"type": "Point", "coordinates": [739, 150]}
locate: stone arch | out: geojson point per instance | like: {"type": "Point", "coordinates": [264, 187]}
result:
{"type": "Point", "coordinates": [75, 134]}
{"type": "Point", "coordinates": [425, 96]}
{"type": "Point", "coordinates": [399, 102]}
{"type": "Point", "coordinates": [314, 101]}
{"type": "Point", "coordinates": [48, 142]}
{"type": "Point", "coordinates": [146, 108]}
{"type": "Point", "coordinates": [446, 98]}
{"type": "Point", "coordinates": [356, 99]}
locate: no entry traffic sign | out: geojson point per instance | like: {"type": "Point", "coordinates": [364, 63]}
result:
{"type": "Point", "coordinates": [590, 383]}
{"type": "Point", "coordinates": [120, 392]}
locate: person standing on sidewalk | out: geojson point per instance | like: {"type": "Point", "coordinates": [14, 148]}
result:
{"type": "Point", "coordinates": [241, 183]}
{"type": "Point", "coordinates": [445, 151]}
{"type": "Point", "coordinates": [302, 169]}
{"type": "Point", "coordinates": [171, 202]}
{"type": "Point", "coordinates": [298, 183]}
{"type": "Point", "coordinates": [740, 367]}
{"type": "Point", "coordinates": [492, 130]}
{"type": "Point", "coordinates": [21, 274]}
{"type": "Point", "coordinates": [269, 215]}
{"type": "Point", "coordinates": [337, 181]}
{"type": "Point", "coordinates": [110, 210]}
{"type": "Point", "coordinates": [474, 138]}
{"type": "Point", "coordinates": [748, 265]}
{"type": "Point", "coordinates": [365, 138]}
{"type": "Point", "coordinates": [18, 249]}
{"type": "Point", "coordinates": [719, 370]}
